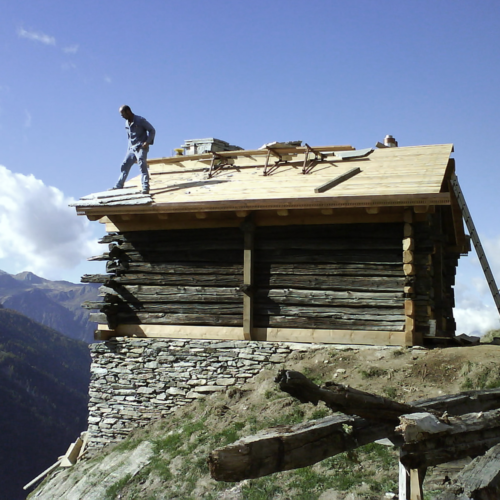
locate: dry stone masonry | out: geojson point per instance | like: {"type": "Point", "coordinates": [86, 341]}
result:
{"type": "Point", "coordinates": [135, 381]}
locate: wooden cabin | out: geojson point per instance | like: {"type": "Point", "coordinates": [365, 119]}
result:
{"type": "Point", "coordinates": [286, 243]}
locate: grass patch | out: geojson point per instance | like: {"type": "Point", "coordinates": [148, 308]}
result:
{"type": "Point", "coordinates": [372, 372]}
{"type": "Point", "coordinates": [113, 491]}
{"type": "Point", "coordinates": [390, 392]}
{"type": "Point", "coordinates": [320, 413]}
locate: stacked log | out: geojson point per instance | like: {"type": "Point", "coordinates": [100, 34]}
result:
{"type": "Point", "coordinates": [376, 277]}
{"type": "Point", "coordinates": [179, 277]}
{"type": "Point", "coordinates": [338, 276]}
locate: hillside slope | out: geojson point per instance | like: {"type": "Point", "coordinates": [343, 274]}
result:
{"type": "Point", "coordinates": [44, 380]}
{"type": "Point", "coordinates": [167, 460]}
{"type": "Point", "coordinates": [56, 304]}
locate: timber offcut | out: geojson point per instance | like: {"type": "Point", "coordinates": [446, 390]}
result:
{"type": "Point", "coordinates": [289, 242]}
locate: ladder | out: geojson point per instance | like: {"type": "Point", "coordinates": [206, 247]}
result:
{"type": "Point", "coordinates": [475, 239]}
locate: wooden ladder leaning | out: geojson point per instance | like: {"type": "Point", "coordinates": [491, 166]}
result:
{"type": "Point", "coordinates": [475, 239]}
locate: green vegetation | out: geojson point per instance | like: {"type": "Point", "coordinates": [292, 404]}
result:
{"type": "Point", "coordinates": [486, 377]}
{"type": "Point", "coordinates": [390, 392]}
{"type": "Point", "coordinates": [373, 372]}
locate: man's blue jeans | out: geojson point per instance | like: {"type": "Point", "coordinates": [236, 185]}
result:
{"type": "Point", "coordinates": [138, 156]}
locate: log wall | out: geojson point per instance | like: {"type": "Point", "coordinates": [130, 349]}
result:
{"type": "Point", "coordinates": [340, 276]}
{"type": "Point", "coordinates": [365, 277]}
{"type": "Point", "coordinates": [179, 277]}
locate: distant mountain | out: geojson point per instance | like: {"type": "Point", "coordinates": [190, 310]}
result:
{"type": "Point", "coordinates": [56, 304]}
{"type": "Point", "coordinates": [44, 379]}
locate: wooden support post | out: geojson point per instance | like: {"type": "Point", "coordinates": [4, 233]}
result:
{"type": "Point", "coordinates": [410, 483]}
{"type": "Point", "coordinates": [248, 256]}
{"type": "Point", "coordinates": [409, 269]}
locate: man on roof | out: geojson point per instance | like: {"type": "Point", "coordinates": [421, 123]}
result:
{"type": "Point", "coordinates": [141, 134]}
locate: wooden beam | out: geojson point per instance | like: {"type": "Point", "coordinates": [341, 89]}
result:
{"type": "Point", "coordinates": [248, 272]}
{"type": "Point", "coordinates": [337, 180]}
{"type": "Point", "coordinates": [362, 337]}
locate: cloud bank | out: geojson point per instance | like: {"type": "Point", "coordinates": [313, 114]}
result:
{"type": "Point", "coordinates": [38, 231]}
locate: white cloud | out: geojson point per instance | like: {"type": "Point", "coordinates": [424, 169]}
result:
{"type": "Point", "coordinates": [107, 79]}
{"type": "Point", "coordinates": [72, 49]}
{"type": "Point", "coordinates": [36, 36]}
{"type": "Point", "coordinates": [39, 232]}
{"type": "Point", "coordinates": [475, 311]}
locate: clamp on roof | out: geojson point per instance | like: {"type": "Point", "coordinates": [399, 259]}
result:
{"type": "Point", "coordinates": [282, 159]}
{"type": "Point", "coordinates": [222, 162]}
{"type": "Point", "coordinates": [309, 164]}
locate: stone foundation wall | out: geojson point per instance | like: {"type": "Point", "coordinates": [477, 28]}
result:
{"type": "Point", "coordinates": [135, 381]}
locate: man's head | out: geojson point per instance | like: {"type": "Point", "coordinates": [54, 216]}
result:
{"type": "Point", "coordinates": [126, 112]}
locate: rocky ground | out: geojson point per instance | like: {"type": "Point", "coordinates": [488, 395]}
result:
{"type": "Point", "coordinates": [168, 459]}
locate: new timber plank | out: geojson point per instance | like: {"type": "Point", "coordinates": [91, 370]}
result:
{"type": "Point", "coordinates": [360, 337]}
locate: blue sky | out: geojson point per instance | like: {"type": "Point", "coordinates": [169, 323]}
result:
{"type": "Point", "coordinates": [324, 72]}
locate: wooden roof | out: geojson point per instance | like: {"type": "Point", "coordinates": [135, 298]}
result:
{"type": "Point", "coordinates": [387, 177]}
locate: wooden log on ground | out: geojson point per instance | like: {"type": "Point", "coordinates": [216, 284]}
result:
{"type": "Point", "coordinates": [429, 443]}
{"type": "Point", "coordinates": [286, 448]}
{"type": "Point", "coordinates": [479, 480]}
{"type": "Point", "coordinates": [339, 397]}
{"type": "Point", "coordinates": [292, 447]}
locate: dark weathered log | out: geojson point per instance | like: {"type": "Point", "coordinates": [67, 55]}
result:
{"type": "Point", "coordinates": [193, 255]}
{"type": "Point", "coordinates": [167, 308]}
{"type": "Point", "coordinates": [166, 246]}
{"type": "Point", "coordinates": [342, 398]}
{"type": "Point", "coordinates": [394, 231]}
{"type": "Point", "coordinates": [330, 297]}
{"type": "Point", "coordinates": [96, 278]}
{"type": "Point", "coordinates": [292, 447]}
{"type": "Point", "coordinates": [346, 243]}
{"type": "Point", "coordinates": [175, 268]}
{"type": "Point", "coordinates": [369, 257]}
{"type": "Point", "coordinates": [479, 480]}
{"type": "Point", "coordinates": [285, 448]}
{"type": "Point", "coordinates": [344, 313]}
{"type": "Point", "coordinates": [350, 283]}
{"type": "Point", "coordinates": [328, 323]}
{"type": "Point", "coordinates": [469, 435]}
{"type": "Point", "coordinates": [199, 234]}
{"type": "Point", "coordinates": [333, 269]}
{"type": "Point", "coordinates": [174, 294]}
{"type": "Point", "coordinates": [167, 319]}
{"type": "Point", "coordinates": [212, 279]}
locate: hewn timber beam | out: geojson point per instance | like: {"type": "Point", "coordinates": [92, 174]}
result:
{"type": "Point", "coordinates": [342, 398]}
{"type": "Point", "coordinates": [337, 180]}
{"type": "Point", "coordinates": [429, 441]}
{"type": "Point", "coordinates": [480, 479]}
{"type": "Point", "coordinates": [300, 445]}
